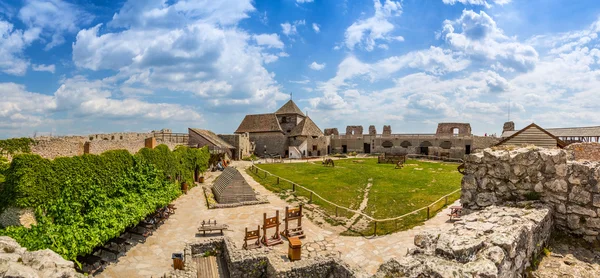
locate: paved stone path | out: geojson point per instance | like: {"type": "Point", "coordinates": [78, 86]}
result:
{"type": "Point", "coordinates": [153, 258]}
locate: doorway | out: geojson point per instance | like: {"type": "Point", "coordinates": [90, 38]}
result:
{"type": "Point", "coordinates": [468, 149]}
{"type": "Point", "coordinates": [344, 148]}
{"type": "Point", "coordinates": [328, 149]}
{"type": "Point", "coordinates": [367, 148]}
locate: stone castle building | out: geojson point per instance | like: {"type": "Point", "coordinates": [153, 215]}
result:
{"type": "Point", "coordinates": [287, 133]}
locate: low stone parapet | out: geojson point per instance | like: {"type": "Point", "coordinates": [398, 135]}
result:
{"type": "Point", "coordinates": [494, 242]}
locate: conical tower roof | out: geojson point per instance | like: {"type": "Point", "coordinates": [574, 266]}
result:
{"type": "Point", "coordinates": [289, 108]}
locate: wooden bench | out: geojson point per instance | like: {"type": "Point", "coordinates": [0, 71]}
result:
{"type": "Point", "coordinates": [211, 226]}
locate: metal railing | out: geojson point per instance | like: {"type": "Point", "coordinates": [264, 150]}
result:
{"type": "Point", "coordinates": [255, 169]}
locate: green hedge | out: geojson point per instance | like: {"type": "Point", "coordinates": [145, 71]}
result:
{"type": "Point", "coordinates": [15, 145]}
{"type": "Point", "coordinates": [83, 201]}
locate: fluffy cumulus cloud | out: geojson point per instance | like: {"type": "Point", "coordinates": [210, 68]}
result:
{"type": "Point", "coordinates": [477, 36]}
{"type": "Point", "coordinates": [12, 45]}
{"type": "Point", "coordinates": [290, 29]}
{"type": "Point", "coordinates": [304, 1]}
{"type": "Point", "coordinates": [53, 18]}
{"type": "Point", "coordinates": [192, 47]}
{"type": "Point", "coordinates": [82, 99]}
{"type": "Point", "coordinates": [367, 32]}
{"type": "Point", "coordinates": [317, 66]}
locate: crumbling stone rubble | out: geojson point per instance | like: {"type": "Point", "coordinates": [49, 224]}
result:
{"type": "Point", "coordinates": [494, 242]}
{"type": "Point", "coordinates": [16, 261]}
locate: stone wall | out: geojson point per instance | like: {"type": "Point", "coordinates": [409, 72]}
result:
{"type": "Point", "coordinates": [569, 187]}
{"type": "Point", "coordinates": [356, 130]}
{"type": "Point", "coordinates": [508, 126]}
{"type": "Point", "coordinates": [275, 142]}
{"type": "Point", "coordinates": [261, 262]}
{"type": "Point", "coordinates": [387, 130]}
{"type": "Point", "coordinates": [584, 151]}
{"type": "Point", "coordinates": [66, 146]}
{"type": "Point", "coordinates": [483, 142]}
{"type": "Point", "coordinates": [372, 130]}
{"type": "Point", "coordinates": [494, 242]}
{"type": "Point", "coordinates": [241, 142]}
{"type": "Point", "coordinates": [447, 129]}
{"type": "Point", "coordinates": [16, 261]}
{"type": "Point", "coordinates": [331, 131]}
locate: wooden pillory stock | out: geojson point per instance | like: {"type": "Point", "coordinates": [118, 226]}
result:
{"type": "Point", "coordinates": [268, 223]}
{"type": "Point", "coordinates": [291, 215]}
{"type": "Point", "coordinates": [251, 235]}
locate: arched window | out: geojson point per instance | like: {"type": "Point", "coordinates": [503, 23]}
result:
{"type": "Point", "coordinates": [455, 131]}
{"type": "Point", "coordinates": [426, 144]}
{"type": "Point", "coordinates": [405, 144]}
{"type": "Point", "coordinates": [387, 144]}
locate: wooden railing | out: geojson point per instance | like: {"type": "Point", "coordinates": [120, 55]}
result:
{"type": "Point", "coordinates": [255, 169]}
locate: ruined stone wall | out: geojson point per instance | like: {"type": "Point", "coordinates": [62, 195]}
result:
{"type": "Point", "coordinates": [508, 126]}
{"type": "Point", "coordinates": [53, 147]}
{"type": "Point", "coordinates": [569, 187]}
{"type": "Point", "coordinates": [447, 129]}
{"type": "Point", "coordinates": [260, 262]}
{"type": "Point", "coordinates": [584, 151]}
{"type": "Point", "coordinates": [331, 131]}
{"type": "Point", "coordinates": [387, 130]}
{"type": "Point", "coordinates": [322, 143]}
{"type": "Point", "coordinates": [372, 130]}
{"type": "Point", "coordinates": [494, 242]}
{"type": "Point", "coordinates": [356, 130]}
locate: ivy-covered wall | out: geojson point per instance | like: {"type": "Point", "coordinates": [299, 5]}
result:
{"type": "Point", "coordinates": [83, 201]}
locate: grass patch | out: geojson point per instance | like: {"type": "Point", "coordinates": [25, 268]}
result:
{"type": "Point", "coordinates": [394, 191]}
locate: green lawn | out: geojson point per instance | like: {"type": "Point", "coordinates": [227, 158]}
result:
{"type": "Point", "coordinates": [394, 192]}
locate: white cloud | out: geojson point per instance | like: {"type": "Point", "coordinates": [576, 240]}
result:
{"type": "Point", "coordinates": [482, 40]}
{"type": "Point", "coordinates": [366, 32]}
{"type": "Point", "coordinates": [54, 18]}
{"type": "Point", "coordinates": [48, 68]}
{"type": "Point", "coordinates": [193, 54]}
{"type": "Point", "coordinates": [269, 40]}
{"type": "Point", "coordinates": [289, 29]}
{"type": "Point", "coordinates": [317, 66]}
{"type": "Point", "coordinates": [12, 44]}
{"type": "Point", "coordinates": [477, 2]}
{"type": "Point", "coordinates": [304, 1]}
{"type": "Point", "coordinates": [316, 28]}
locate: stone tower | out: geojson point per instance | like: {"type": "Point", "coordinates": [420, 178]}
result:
{"type": "Point", "coordinates": [508, 126]}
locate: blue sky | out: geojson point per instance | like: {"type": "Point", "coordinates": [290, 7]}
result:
{"type": "Point", "coordinates": [83, 66]}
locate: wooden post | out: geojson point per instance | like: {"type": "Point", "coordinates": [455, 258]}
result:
{"type": "Point", "coordinates": [375, 229]}
{"type": "Point", "coordinates": [336, 211]}
{"type": "Point", "coordinates": [265, 174]}
{"type": "Point", "coordinates": [427, 212]}
{"type": "Point", "coordinates": [310, 202]}
{"type": "Point", "coordinates": [396, 224]}
{"type": "Point", "coordinates": [277, 180]}
{"type": "Point", "coordinates": [294, 187]}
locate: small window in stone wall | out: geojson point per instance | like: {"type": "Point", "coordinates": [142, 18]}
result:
{"type": "Point", "coordinates": [387, 144]}
{"type": "Point", "coordinates": [91, 138]}
{"type": "Point", "coordinates": [121, 137]}
{"type": "Point", "coordinates": [288, 131]}
{"type": "Point", "coordinates": [405, 144]}
{"type": "Point", "coordinates": [446, 145]}
{"type": "Point", "coordinates": [112, 137]}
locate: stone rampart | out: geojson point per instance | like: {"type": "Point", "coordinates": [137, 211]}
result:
{"type": "Point", "coordinates": [569, 187]}
{"type": "Point", "coordinates": [494, 242]}
{"type": "Point", "coordinates": [66, 146]}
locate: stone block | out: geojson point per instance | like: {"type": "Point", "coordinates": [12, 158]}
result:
{"type": "Point", "coordinates": [581, 210]}
{"type": "Point", "coordinates": [579, 195]}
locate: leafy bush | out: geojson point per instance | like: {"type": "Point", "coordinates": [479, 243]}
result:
{"type": "Point", "coordinates": [83, 201]}
{"type": "Point", "coordinates": [15, 145]}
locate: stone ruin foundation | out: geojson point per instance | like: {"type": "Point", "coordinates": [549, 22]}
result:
{"type": "Point", "coordinates": [570, 188]}
{"type": "Point", "coordinates": [261, 262]}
